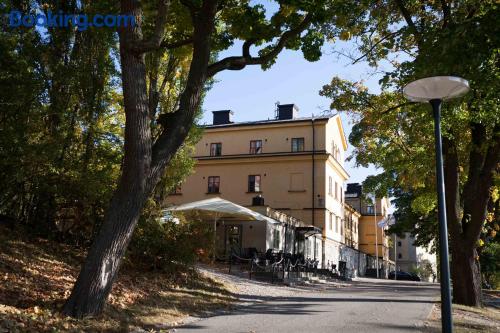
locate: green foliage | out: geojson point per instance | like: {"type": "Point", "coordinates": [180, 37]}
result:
{"type": "Point", "coordinates": [422, 226]}
{"type": "Point", "coordinates": [62, 122]}
{"type": "Point", "coordinates": [60, 125]}
{"type": "Point", "coordinates": [158, 243]}
{"type": "Point", "coordinates": [424, 270]}
{"type": "Point", "coordinates": [396, 135]}
{"type": "Point", "coordinates": [490, 264]}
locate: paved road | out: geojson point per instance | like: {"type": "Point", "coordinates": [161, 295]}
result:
{"type": "Point", "coordinates": [366, 306]}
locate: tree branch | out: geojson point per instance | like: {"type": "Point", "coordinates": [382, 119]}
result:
{"type": "Point", "coordinates": [154, 42]}
{"type": "Point", "coordinates": [176, 44]}
{"type": "Point", "coordinates": [178, 123]}
{"type": "Point", "coordinates": [375, 45]}
{"type": "Point", "coordinates": [397, 107]}
{"type": "Point", "coordinates": [452, 183]}
{"type": "Point", "coordinates": [483, 181]}
{"type": "Point", "coordinates": [407, 16]}
{"type": "Point", "coordinates": [240, 62]}
{"type": "Point", "coordinates": [446, 13]}
{"type": "Point", "coordinates": [482, 165]}
{"type": "Point", "coordinates": [193, 9]}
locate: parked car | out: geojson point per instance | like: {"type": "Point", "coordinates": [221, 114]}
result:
{"type": "Point", "coordinates": [405, 276]}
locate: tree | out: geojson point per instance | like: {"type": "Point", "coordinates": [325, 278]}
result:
{"type": "Point", "coordinates": [60, 133]}
{"type": "Point", "coordinates": [204, 27]}
{"type": "Point", "coordinates": [438, 38]}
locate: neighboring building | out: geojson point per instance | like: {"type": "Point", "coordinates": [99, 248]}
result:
{"type": "Point", "coordinates": [405, 253]}
{"type": "Point", "coordinates": [410, 258]}
{"type": "Point", "coordinates": [351, 221]}
{"type": "Point", "coordinates": [370, 215]}
{"type": "Point", "coordinates": [295, 164]}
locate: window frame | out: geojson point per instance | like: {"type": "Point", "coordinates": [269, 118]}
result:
{"type": "Point", "coordinates": [215, 152]}
{"type": "Point", "coordinates": [212, 180]}
{"type": "Point", "coordinates": [298, 145]}
{"type": "Point", "coordinates": [255, 189]}
{"type": "Point", "coordinates": [257, 149]}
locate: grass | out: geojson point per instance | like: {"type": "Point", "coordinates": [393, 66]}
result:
{"type": "Point", "coordinates": [36, 277]}
{"type": "Point", "coordinates": [467, 319]}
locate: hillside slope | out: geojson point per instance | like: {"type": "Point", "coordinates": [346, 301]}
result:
{"type": "Point", "coordinates": [37, 275]}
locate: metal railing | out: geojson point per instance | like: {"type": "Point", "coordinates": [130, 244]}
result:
{"type": "Point", "coordinates": [277, 265]}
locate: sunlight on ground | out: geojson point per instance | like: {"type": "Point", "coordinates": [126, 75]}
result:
{"type": "Point", "coordinates": [467, 319]}
{"type": "Point", "coordinates": [37, 276]}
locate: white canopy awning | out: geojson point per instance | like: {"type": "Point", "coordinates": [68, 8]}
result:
{"type": "Point", "coordinates": [218, 208]}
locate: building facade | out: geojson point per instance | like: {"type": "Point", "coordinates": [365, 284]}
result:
{"type": "Point", "coordinates": [372, 239]}
{"type": "Point", "coordinates": [351, 222]}
{"type": "Point", "coordinates": [295, 164]}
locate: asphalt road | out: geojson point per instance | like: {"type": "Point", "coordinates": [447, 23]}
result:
{"type": "Point", "coordinates": [366, 306]}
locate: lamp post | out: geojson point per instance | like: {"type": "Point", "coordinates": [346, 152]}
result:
{"type": "Point", "coordinates": [376, 233]}
{"type": "Point", "coordinates": [435, 90]}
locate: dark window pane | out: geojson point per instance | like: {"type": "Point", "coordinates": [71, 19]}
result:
{"type": "Point", "coordinates": [254, 183]}
{"type": "Point", "coordinates": [216, 149]}
{"type": "Point", "coordinates": [297, 144]}
{"type": "Point", "coordinates": [255, 146]}
{"type": "Point", "coordinates": [213, 184]}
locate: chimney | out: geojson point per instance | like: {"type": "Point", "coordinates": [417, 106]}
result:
{"type": "Point", "coordinates": [287, 111]}
{"type": "Point", "coordinates": [222, 117]}
{"type": "Point", "coordinates": [354, 190]}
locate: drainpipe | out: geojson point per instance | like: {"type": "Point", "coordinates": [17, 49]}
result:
{"type": "Point", "coordinates": [313, 169]}
{"type": "Point", "coordinates": [313, 194]}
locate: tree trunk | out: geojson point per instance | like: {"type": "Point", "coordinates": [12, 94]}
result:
{"type": "Point", "coordinates": [103, 260]}
{"type": "Point", "coordinates": [144, 164]}
{"type": "Point", "coordinates": [466, 276]}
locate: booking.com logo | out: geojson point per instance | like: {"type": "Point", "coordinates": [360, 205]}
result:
{"type": "Point", "coordinates": [61, 20]}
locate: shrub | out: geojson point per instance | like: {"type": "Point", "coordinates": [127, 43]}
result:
{"type": "Point", "coordinates": [159, 243]}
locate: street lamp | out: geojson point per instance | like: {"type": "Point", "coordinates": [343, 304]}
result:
{"type": "Point", "coordinates": [435, 90]}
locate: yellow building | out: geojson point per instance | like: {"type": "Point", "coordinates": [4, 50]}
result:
{"type": "Point", "coordinates": [370, 215]}
{"type": "Point", "coordinates": [351, 222]}
{"type": "Point", "coordinates": [295, 164]}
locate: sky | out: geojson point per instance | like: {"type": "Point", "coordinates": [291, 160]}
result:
{"type": "Point", "coordinates": [252, 93]}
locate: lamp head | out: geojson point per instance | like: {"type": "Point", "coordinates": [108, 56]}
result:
{"type": "Point", "coordinates": [436, 87]}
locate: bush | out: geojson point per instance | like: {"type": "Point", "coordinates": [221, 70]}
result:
{"type": "Point", "coordinates": [157, 243]}
{"type": "Point", "coordinates": [490, 264]}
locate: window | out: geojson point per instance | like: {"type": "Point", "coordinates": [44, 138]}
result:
{"type": "Point", "coordinates": [335, 151]}
{"type": "Point", "coordinates": [216, 149]}
{"type": "Point", "coordinates": [276, 239]}
{"type": "Point", "coordinates": [254, 183]}
{"type": "Point", "coordinates": [331, 221]}
{"type": "Point", "coordinates": [213, 184]}
{"type": "Point", "coordinates": [400, 256]}
{"type": "Point", "coordinates": [399, 243]}
{"type": "Point", "coordinates": [336, 190]}
{"type": "Point", "coordinates": [341, 194]}
{"type": "Point", "coordinates": [337, 222]}
{"type": "Point", "coordinates": [255, 146]}
{"type": "Point", "coordinates": [370, 209]}
{"type": "Point", "coordinates": [330, 186]}
{"type": "Point", "coordinates": [297, 144]}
